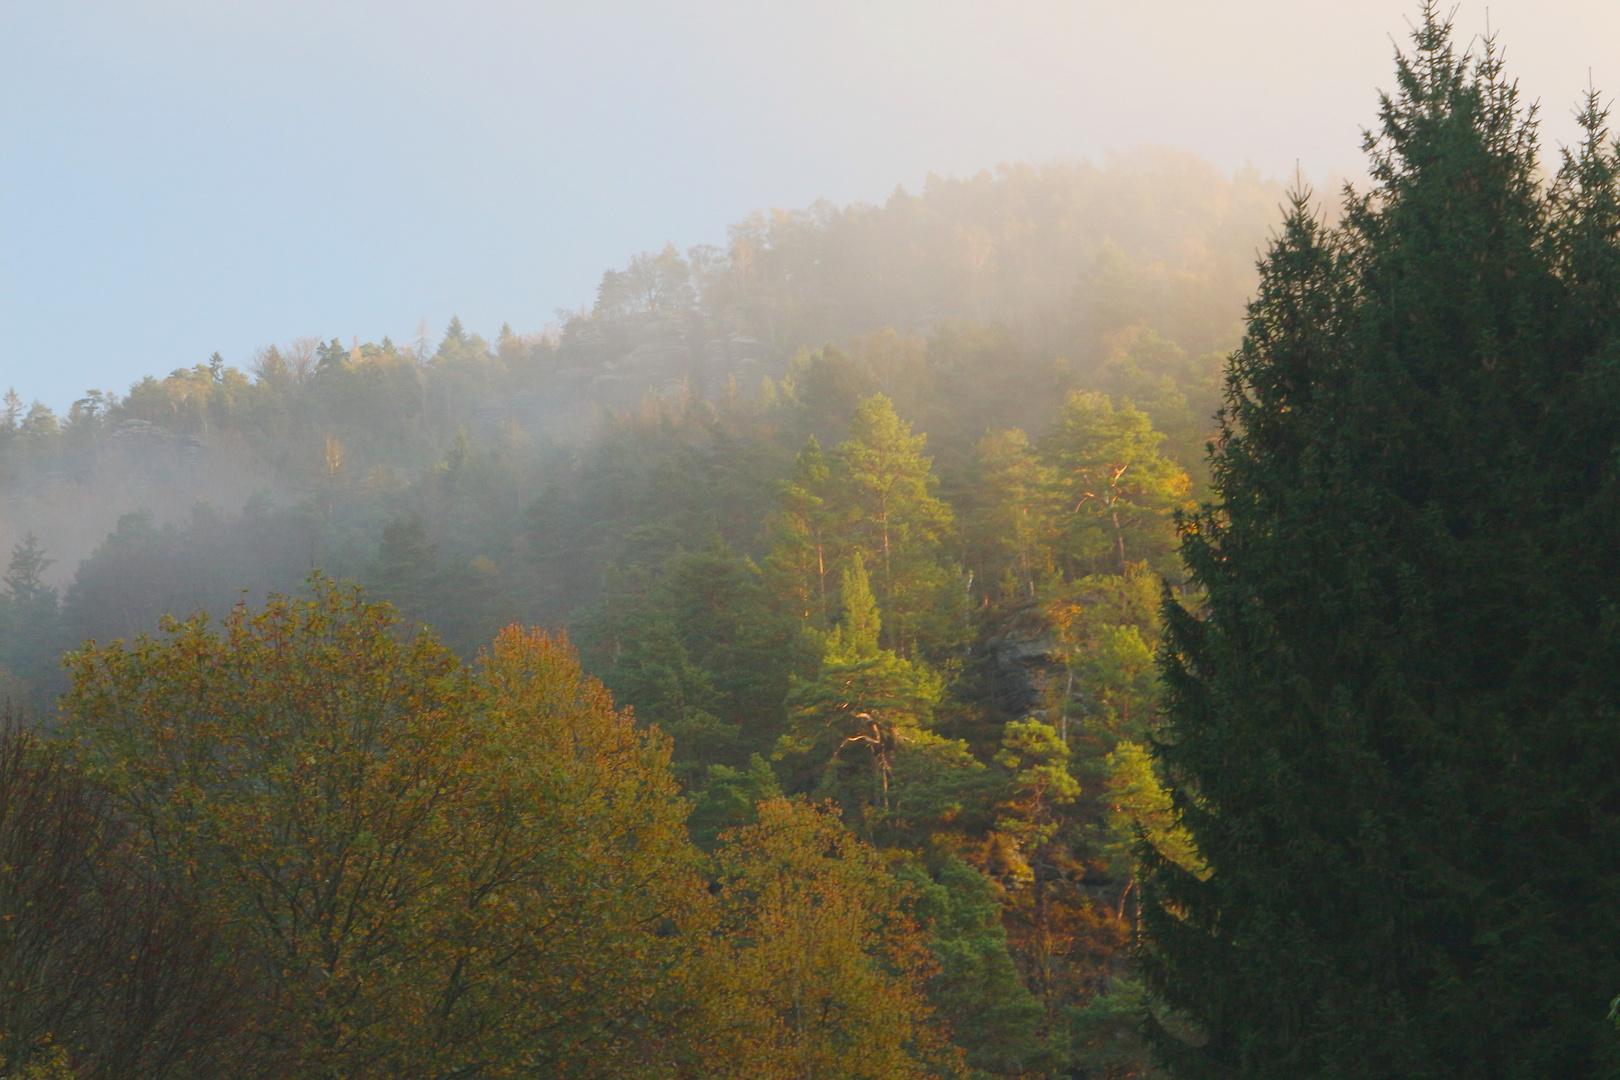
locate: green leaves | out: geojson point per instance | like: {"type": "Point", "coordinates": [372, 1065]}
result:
{"type": "Point", "coordinates": [1139, 811]}
{"type": "Point", "coordinates": [1038, 759]}
{"type": "Point", "coordinates": [861, 726]}
{"type": "Point", "coordinates": [976, 986]}
{"type": "Point", "coordinates": [883, 488]}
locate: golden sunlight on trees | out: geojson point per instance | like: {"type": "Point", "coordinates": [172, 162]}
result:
{"type": "Point", "coordinates": [433, 868]}
{"type": "Point", "coordinates": [1116, 482]}
{"type": "Point", "coordinates": [813, 506]}
{"type": "Point", "coordinates": [817, 971]}
{"type": "Point", "coordinates": [418, 868]}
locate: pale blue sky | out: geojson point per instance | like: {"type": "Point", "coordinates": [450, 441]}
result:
{"type": "Point", "coordinates": [178, 176]}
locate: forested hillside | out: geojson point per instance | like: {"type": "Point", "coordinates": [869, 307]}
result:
{"type": "Point", "coordinates": [974, 306]}
{"type": "Point", "coordinates": [1016, 630]}
{"type": "Point", "coordinates": [871, 504]}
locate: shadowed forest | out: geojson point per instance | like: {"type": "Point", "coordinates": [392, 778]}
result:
{"type": "Point", "coordinates": [1074, 621]}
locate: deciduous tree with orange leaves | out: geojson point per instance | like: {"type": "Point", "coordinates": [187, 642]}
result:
{"type": "Point", "coordinates": [439, 870]}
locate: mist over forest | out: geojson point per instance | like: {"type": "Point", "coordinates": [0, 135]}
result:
{"type": "Point", "coordinates": [652, 472]}
{"type": "Point", "coordinates": [1083, 621]}
{"type": "Point", "coordinates": [529, 461]}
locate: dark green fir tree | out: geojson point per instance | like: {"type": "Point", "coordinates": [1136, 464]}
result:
{"type": "Point", "coordinates": [1393, 709]}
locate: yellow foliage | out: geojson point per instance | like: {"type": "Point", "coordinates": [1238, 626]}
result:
{"type": "Point", "coordinates": [432, 866]}
{"type": "Point", "coordinates": [1138, 805]}
{"type": "Point", "coordinates": [816, 972]}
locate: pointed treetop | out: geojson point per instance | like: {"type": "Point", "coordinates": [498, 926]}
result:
{"type": "Point", "coordinates": [1442, 95]}
{"type": "Point", "coordinates": [810, 468]}
{"type": "Point", "coordinates": [454, 336]}
{"type": "Point", "coordinates": [25, 574]}
{"type": "Point", "coordinates": [861, 623]}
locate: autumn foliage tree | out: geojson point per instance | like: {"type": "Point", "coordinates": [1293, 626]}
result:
{"type": "Point", "coordinates": [105, 972]}
{"type": "Point", "coordinates": [436, 870]}
{"type": "Point", "coordinates": [817, 970]}
{"type": "Point", "coordinates": [427, 869]}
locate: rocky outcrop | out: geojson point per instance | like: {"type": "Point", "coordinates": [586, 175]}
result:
{"type": "Point", "coordinates": [148, 443]}
{"type": "Point", "coordinates": [1030, 672]}
{"type": "Point", "coordinates": [615, 361]}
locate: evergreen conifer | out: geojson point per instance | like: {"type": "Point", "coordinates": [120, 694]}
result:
{"type": "Point", "coordinates": [1391, 718]}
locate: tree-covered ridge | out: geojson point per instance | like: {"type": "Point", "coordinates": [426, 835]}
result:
{"type": "Point", "coordinates": [967, 685]}
{"type": "Point", "coordinates": [1112, 252]}
{"type": "Point", "coordinates": [1060, 254]}
{"type": "Point", "coordinates": [970, 686]}
{"type": "Point", "coordinates": [938, 708]}
{"type": "Point", "coordinates": [982, 741]}
{"type": "Point", "coordinates": [912, 573]}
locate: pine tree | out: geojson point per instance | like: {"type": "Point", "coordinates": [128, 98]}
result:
{"type": "Point", "coordinates": [884, 489]}
{"type": "Point", "coordinates": [332, 357]}
{"type": "Point", "coordinates": [455, 339]}
{"type": "Point", "coordinates": [1391, 722]}
{"type": "Point", "coordinates": [24, 578]}
{"type": "Point", "coordinates": [30, 624]}
{"type": "Point", "coordinates": [866, 700]}
{"type": "Point", "coordinates": [406, 569]}
{"type": "Point", "coordinates": [862, 725]}
{"type": "Point", "coordinates": [1117, 485]}
{"type": "Point", "coordinates": [993, 1016]}
{"type": "Point", "coordinates": [805, 547]}
{"type": "Point", "coordinates": [1015, 522]}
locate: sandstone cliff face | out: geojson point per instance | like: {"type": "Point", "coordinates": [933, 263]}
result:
{"type": "Point", "coordinates": [149, 443]}
{"type": "Point", "coordinates": [1031, 674]}
{"type": "Point", "coordinates": [615, 362]}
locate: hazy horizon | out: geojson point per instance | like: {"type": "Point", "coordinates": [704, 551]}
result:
{"type": "Point", "coordinates": [181, 178]}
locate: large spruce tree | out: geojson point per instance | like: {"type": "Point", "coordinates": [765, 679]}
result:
{"type": "Point", "coordinates": [1393, 714]}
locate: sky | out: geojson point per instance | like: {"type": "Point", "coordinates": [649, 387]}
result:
{"type": "Point", "coordinates": [184, 176]}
